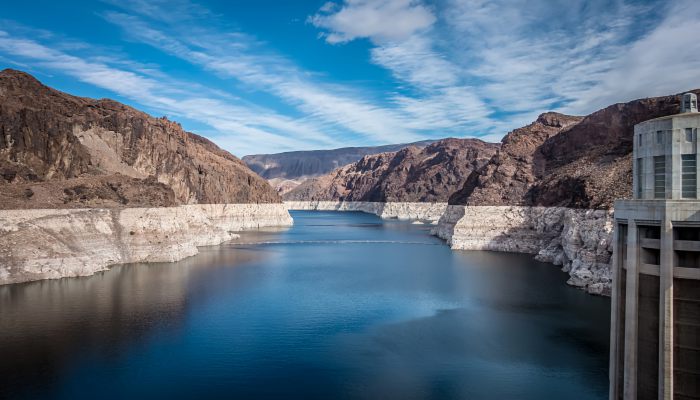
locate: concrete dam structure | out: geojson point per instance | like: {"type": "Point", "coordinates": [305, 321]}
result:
{"type": "Point", "coordinates": [655, 331]}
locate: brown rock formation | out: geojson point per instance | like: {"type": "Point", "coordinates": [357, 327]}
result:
{"type": "Point", "coordinates": [566, 161]}
{"type": "Point", "coordinates": [84, 152]}
{"type": "Point", "coordinates": [411, 174]}
{"type": "Point", "coordinates": [511, 172]}
{"type": "Point", "coordinates": [590, 165]}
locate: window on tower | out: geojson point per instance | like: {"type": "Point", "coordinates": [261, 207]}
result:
{"type": "Point", "coordinates": [689, 180]}
{"type": "Point", "coordinates": [659, 177]}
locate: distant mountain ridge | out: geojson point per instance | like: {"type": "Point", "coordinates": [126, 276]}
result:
{"type": "Point", "coordinates": [295, 165]}
{"type": "Point", "coordinates": [412, 174]}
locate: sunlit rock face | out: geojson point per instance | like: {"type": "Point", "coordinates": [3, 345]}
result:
{"type": "Point", "coordinates": [49, 244]}
{"type": "Point", "coordinates": [565, 161]}
{"type": "Point", "coordinates": [63, 151]}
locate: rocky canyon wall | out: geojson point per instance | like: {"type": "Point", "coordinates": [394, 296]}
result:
{"type": "Point", "coordinates": [57, 243]}
{"type": "Point", "coordinates": [577, 239]}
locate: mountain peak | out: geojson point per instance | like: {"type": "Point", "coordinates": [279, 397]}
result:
{"type": "Point", "coordinates": [19, 76]}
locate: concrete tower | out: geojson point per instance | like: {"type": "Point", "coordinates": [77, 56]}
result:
{"type": "Point", "coordinates": [655, 336]}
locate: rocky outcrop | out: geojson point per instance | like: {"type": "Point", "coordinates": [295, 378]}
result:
{"type": "Point", "coordinates": [579, 240]}
{"type": "Point", "coordinates": [50, 136]}
{"type": "Point", "coordinates": [301, 165]}
{"type": "Point", "coordinates": [422, 212]}
{"type": "Point", "coordinates": [49, 244]}
{"type": "Point", "coordinates": [564, 161]}
{"type": "Point", "coordinates": [412, 174]}
{"type": "Point", "coordinates": [590, 164]}
{"type": "Point", "coordinates": [508, 176]}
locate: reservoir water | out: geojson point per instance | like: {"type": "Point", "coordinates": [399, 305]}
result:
{"type": "Point", "coordinates": [341, 306]}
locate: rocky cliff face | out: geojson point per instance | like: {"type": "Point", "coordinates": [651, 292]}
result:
{"type": "Point", "coordinates": [300, 165]}
{"type": "Point", "coordinates": [412, 174]}
{"type": "Point", "coordinates": [578, 240]}
{"type": "Point", "coordinates": [590, 164]}
{"type": "Point", "coordinates": [50, 244]}
{"type": "Point", "coordinates": [511, 172]}
{"type": "Point", "coordinates": [566, 161]}
{"type": "Point", "coordinates": [85, 152]}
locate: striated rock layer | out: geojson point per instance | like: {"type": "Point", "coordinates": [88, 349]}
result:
{"type": "Point", "coordinates": [579, 240]}
{"type": "Point", "coordinates": [424, 212]}
{"type": "Point", "coordinates": [56, 243]}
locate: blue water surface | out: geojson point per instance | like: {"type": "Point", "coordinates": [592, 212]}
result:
{"type": "Point", "coordinates": [341, 306]}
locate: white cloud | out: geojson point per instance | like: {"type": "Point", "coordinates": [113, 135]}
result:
{"type": "Point", "coordinates": [379, 20]}
{"type": "Point", "coordinates": [575, 56]}
{"type": "Point", "coordinates": [664, 61]}
{"type": "Point", "coordinates": [415, 61]}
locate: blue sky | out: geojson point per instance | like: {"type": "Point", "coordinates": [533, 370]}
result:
{"type": "Point", "coordinates": [264, 76]}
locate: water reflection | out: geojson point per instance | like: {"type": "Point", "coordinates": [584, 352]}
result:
{"type": "Point", "coordinates": [46, 325]}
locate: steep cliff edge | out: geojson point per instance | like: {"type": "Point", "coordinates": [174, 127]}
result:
{"type": "Point", "coordinates": [412, 174]}
{"type": "Point", "coordinates": [82, 152]}
{"type": "Point", "coordinates": [508, 176]}
{"type": "Point", "coordinates": [578, 240]}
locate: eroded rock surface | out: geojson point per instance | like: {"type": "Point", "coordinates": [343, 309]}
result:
{"type": "Point", "coordinates": [50, 244]}
{"type": "Point", "coordinates": [578, 240]}
{"type": "Point", "coordinates": [565, 161]}
{"type": "Point", "coordinates": [50, 136]}
{"type": "Point", "coordinates": [415, 211]}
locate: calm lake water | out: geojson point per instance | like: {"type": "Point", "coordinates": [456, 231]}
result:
{"type": "Point", "coordinates": [341, 306]}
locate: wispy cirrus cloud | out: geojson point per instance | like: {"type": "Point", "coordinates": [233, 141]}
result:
{"type": "Point", "coordinates": [248, 124]}
{"type": "Point", "coordinates": [238, 56]}
{"type": "Point", "coordinates": [507, 61]}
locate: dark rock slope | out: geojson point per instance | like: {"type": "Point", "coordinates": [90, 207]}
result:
{"type": "Point", "coordinates": [58, 150]}
{"type": "Point", "coordinates": [511, 172]}
{"type": "Point", "coordinates": [299, 165]}
{"type": "Point", "coordinates": [411, 174]}
{"type": "Point", "coordinates": [566, 161]}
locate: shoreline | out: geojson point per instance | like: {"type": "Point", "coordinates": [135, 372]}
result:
{"type": "Point", "coordinates": [578, 240]}
{"type": "Point", "coordinates": [38, 244]}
